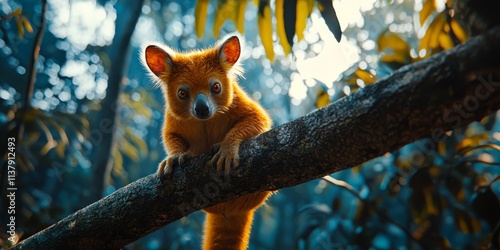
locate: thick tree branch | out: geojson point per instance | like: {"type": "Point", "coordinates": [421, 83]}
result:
{"type": "Point", "coordinates": [419, 100]}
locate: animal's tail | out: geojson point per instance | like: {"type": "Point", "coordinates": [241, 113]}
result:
{"type": "Point", "coordinates": [230, 232]}
{"type": "Point", "coordinates": [228, 224]}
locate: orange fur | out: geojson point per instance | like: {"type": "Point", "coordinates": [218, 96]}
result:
{"type": "Point", "coordinates": [226, 119]}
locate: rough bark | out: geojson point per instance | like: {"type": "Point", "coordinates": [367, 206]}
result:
{"type": "Point", "coordinates": [420, 100]}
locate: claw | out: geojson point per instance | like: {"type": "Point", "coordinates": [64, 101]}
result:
{"type": "Point", "coordinates": [166, 167]}
{"type": "Point", "coordinates": [226, 157]}
{"type": "Point", "coordinates": [183, 158]}
{"type": "Point", "coordinates": [215, 148]}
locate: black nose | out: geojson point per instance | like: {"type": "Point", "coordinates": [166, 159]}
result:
{"type": "Point", "coordinates": [201, 110]}
{"type": "Point", "coordinates": [201, 107]}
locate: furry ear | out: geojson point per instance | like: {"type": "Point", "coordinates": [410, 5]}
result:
{"type": "Point", "coordinates": [230, 50]}
{"type": "Point", "coordinates": [157, 59]}
{"type": "Point", "coordinates": [229, 54]}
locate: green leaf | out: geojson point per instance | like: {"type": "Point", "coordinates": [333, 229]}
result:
{"type": "Point", "coordinates": [290, 16]}
{"type": "Point", "coordinates": [328, 12]}
{"type": "Point", "coordinates": [280, 26]}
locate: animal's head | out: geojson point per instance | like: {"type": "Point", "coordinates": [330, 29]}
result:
{"type": "Point", "coordinates": [197, 84]}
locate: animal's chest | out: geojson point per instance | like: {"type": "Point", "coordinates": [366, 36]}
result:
{"type": "Point", "coordinates": [203, 135]}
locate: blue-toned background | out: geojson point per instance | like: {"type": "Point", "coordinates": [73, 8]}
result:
{"type": "Point", "coordinates": [94, 121]}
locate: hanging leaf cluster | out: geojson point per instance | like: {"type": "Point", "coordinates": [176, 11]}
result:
{"type": "Point", "coordinates": [394, 50]}
{"type": "Point", "coordinates": [45, 128]}
{"type": "Point", "coordinates": [443, 30]}
{"type": "Point", "coordinates": [447, 190]}
{"type": "Point", "coordinates": [291, 19]}
{"type": "Point", "coordinates": [128, 144]}
{"type": "Point", "coordinates": [22, 22]}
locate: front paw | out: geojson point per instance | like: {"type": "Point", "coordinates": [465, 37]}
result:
{"type": "Point", "coordinates": [226, 156]}
{"type": "Point", "coordinates": [166, 167]}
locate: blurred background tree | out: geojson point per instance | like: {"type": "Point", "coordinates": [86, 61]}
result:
{"type": "Point", "coordinates": [92, 121]}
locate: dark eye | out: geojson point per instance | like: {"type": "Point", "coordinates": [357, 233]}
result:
{"type": "Point", "coordinates": [182, 94]}
{"type": "Point", "coordinates": [216, 88]}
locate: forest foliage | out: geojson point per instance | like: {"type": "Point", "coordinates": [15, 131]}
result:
{"type": "Point", "coordinates": [442, 193]}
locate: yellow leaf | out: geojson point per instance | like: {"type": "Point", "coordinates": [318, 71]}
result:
{"type": "Point", "coordinates": [20, 28]}
{"type": "Point", "coordinates": [16, 12]}
{"type": "Point", "coordinates": [367, 77]}
{"type": "Point", "coordinates": [47, 147]}
{"type": "Point", "coordinates": [226, 9]}
{"type": "Point", "coordinates": [310, 5]}
{"type": "Point", "coordinates": [353, 88]}
{"type": "Point", "coordinates": [392, 41]}
{"type": "Point", "coordinates": [389, 58]}
{"type": "Point", "coordinates": [441, 148]}
{"type": "Point", "coordinates": [60, 150]}
{"type": "Point", "coordinates": [32, 137]}
{"type": "Point", "coordinates": [446, 28]}
{"type": "Point", "coordinates": [280, 26]}
{"type": "Point", "coordinates": [265, 28]}
{"type": "Point", "coordinates": [429, 202]}
{"type": "Point", "coordinates": [323, 98]}
{"type": "Point", "coordinates": [428, 8]}
{"type": "Point", "coordinates": [50, 140]}
{"type": "Point", "coordinates": [356, 169]}
{"type": "Point", "coordinates": [466, 223]}
{"type": "Point", "coordinates": [33, 114]}
{"type": "Point", "coordinates": [434, 171]}
{"type": "Point", "coordinates": [459, 31]}
{"type": "Point", "coordinates": [436, 29]}
{"type": "Point", "coordinates": [467, 149]}
{"type": "Point", "coordinates": [472, 141]}
{"type": "Point", "coordinates": [321, 8]}
{"type": "Point", "coordinates": [240, 17]}
{"type": "Point", "coordinates": [200, 15]}
{"type": "Point", "coordinates": [445, 41]}
{"type": "Point", "coordinates": [352, 80]}
{"type": "Point", "coordinates": [430, 40]}
{"type": "Point", "coordinates": [118, 163]}
{"type": "Point", "coordinates": [394, 48]}
{"type": "Point", "coordinates": [301, 18]}
{"type": "Point", "coordinates": [475, 226]}
{"type": "Point", "coordinates": [27, 24]}
{"type": "Point", "coordinates": [73, 124]}
{"type": "Point", "coordinates": [460, 195]}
